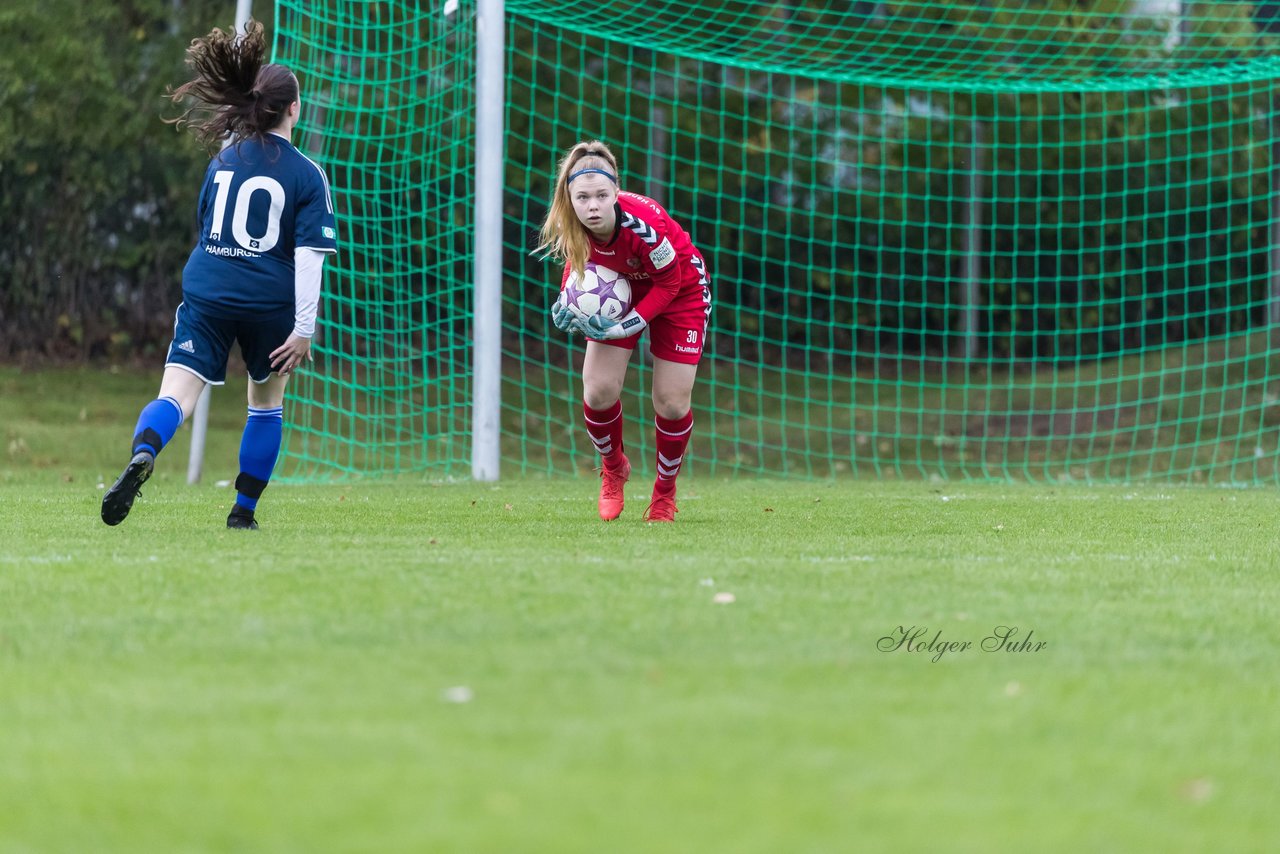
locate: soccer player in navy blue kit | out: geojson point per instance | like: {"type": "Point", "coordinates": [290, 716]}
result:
{"type": "Point", "coordinates": [266, 224]}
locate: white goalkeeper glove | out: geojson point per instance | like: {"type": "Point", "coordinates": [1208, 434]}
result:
{"type": "Point", "coordinates": [604, 329]}
{"type": "Point", "coordinates": [562, 315]}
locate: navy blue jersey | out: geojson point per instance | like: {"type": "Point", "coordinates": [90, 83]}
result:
{"type": "Point", "coordinates": [261, 199]}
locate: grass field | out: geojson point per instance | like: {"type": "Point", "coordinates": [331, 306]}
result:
{"type": "Point", "coordinates": [410, 666]}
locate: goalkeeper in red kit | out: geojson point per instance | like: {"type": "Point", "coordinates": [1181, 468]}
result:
{"type": "Point", "coordinates": [592, 219]}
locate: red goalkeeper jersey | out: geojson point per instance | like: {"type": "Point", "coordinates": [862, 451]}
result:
{"type": "Point", "coordinates": [654, 252]}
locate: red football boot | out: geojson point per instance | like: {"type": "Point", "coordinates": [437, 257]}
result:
{"type": "Point", "coordinates": [662, 506]}
{"type": "Point", "coordinates": [612, 480]}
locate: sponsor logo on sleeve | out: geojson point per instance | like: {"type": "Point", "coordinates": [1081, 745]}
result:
{"type": "Point", "coordinates": [663, 255]}
{"type": "Point", "coordinates": [329, 232]}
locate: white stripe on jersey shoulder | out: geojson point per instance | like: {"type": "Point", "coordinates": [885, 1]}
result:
{"type": "Point", "coordinates": [328, 197]}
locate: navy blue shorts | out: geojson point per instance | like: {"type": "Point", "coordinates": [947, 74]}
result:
{"type": "Point", "coordinates": [201, 343]}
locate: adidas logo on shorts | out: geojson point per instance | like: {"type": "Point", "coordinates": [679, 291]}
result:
{"type": "Point", "coordinates": [187, 346]}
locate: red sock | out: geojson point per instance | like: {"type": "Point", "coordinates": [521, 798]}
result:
{"type": "Point", "coordinates": [673, 438]}
{"type": "Point", "coordinates": [605, 428]}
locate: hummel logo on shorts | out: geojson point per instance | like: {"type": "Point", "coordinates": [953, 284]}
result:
{"type": "Point", "coordinates": [187, 346]}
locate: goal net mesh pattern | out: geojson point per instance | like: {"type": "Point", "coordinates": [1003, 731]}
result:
{"type": "Point", "coordinates": [946, 239]}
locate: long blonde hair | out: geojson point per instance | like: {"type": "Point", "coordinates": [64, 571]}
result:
{"type": "Point", "coordinates": [563, 236]}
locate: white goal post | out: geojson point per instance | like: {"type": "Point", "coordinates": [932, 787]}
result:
{"type": "Point", "coordinates": [200, 418]}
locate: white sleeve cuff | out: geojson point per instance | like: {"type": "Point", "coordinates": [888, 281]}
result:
{"type": "Point", "coordinates": [307, 266]}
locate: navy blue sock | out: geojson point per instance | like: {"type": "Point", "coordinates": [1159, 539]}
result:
{"type": "Point", "coordinates": [157, 423]}
{"type": "Point", "coordinates": [259, 447]}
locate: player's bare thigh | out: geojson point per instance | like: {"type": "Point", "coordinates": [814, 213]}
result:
{"type": "Point", "coordinates": [604, 370]}
{"type": "Point", "coordinates": [673, 387]}
{"type": "Point", "coordinates": [183, 386]}
{"type": "Point", "coordinates": [268, 394]}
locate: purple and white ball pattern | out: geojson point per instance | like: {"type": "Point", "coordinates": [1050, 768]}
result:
{"type": "Point", "coordinates": [600, 291]}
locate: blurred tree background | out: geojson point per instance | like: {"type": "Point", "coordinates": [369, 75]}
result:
{"type": "Point", "coordinates": [818, 198]}
{"type": "Point", "coordinates": [97, 194]}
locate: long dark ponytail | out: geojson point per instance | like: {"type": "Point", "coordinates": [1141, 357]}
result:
{"type": "Point", "coordinates": [234, 91]}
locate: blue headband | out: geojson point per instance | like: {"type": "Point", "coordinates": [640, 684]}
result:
{"type": "Point", "coordinates": [573, 175]}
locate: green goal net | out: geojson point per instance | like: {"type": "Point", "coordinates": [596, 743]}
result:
{"type": "Point", "coordinates": [946, 239]}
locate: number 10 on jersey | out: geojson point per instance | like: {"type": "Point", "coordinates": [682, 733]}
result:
{"type": "Point", "coordinates": [240, 213]}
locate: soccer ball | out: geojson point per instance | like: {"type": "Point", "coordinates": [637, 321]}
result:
{"type": "Point", "coordinates": [600, 291]}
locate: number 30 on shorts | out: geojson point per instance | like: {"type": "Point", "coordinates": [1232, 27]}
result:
{"type": "Point", "coordinates": [692, 336]}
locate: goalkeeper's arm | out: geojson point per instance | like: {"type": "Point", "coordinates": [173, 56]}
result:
{"type": "Point", "coordinates": [666, 284]}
